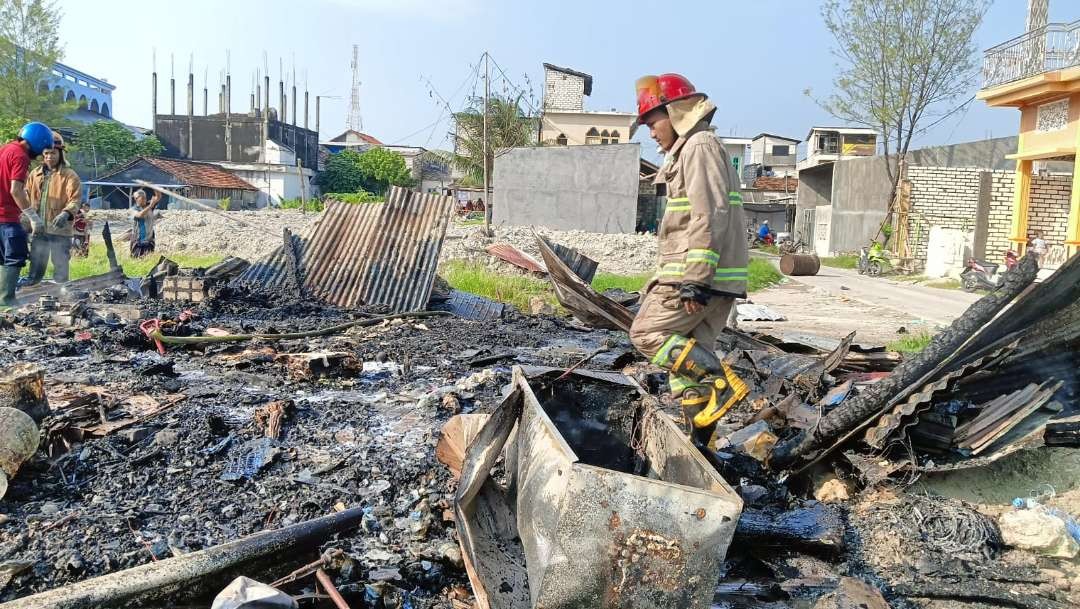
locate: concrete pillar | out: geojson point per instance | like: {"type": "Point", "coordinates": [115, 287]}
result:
{"type": "Point", "coordinates": [294, 105]}
{"type": "Point", "coordinates": [191, 114]}
{"type": "Point", "coordinates": [228, 117]}
{"type": "Point", "coordinates": [1021, 203]}
{"type": "Point", "coordinates": [318, 99]}
{"type": "Point", "coordinates": [982, 215]}
{"type": "Point", "coordinates": [1072, 229]}
{"type": "Point", "coordinates": [153, 96]}
{"type": "Point", "coordinates": [305, 109]}
{"type": "Point", "coordinates": [172, 96]}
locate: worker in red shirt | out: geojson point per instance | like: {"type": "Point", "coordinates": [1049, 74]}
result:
{"type": "Point", "coordinates": [15, 156]}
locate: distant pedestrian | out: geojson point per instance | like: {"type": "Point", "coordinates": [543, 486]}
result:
{"type": "Point", "coordinates": [143, 217]}
{"type": "Point", "coordinates": [15, 158]}
{"type": "Point", "coordinates": [1039, 246]}
{"type": "Point", "coordinates": [55, 191]}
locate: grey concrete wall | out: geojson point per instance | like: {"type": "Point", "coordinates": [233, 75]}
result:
{"type": "Point", "coordinates": [984, 154]}
{"type": "Point", "coordinates": [590, 188]}
{"type": "Point", "coordinates": [815, 189]}
{"type": "Point", "coordinates": [860, 200]}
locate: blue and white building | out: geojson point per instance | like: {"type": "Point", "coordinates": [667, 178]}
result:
{"type": "Point", "coordinates": [93, 94]}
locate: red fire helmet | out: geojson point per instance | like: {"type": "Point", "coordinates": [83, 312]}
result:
{"type": "Point", "coordinates": [656, 91]}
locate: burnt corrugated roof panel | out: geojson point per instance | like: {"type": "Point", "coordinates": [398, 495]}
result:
{"type": "Point", "coordinates": [368, 253]}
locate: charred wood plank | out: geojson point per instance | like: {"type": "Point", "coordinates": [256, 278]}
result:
{"type": "Point", "coordinates": [815, 527]}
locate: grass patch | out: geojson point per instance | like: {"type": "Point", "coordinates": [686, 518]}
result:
{"type": "Point", "coordinates": [762, 274]}
{"type": "Point", "coordinates": [516, 290]}
{"type": "Point", "coordinates": [944, 284]}
{"type": "Point", "coordinates": [473, 222]}
{"type": "Point", "coordinates": [769, 249]}
{"type": "Point", "coordinates": [519, 290]}
{"type": "Point", "coordinates": [910, 343]}
{"type": "Point", "coordinates": [626, 283]}
{"type": "Point", "coordinates": [843, 261]}
{"type": "Point", "coordinates": [97, 262]}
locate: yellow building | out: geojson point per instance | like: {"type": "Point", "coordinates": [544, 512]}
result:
{"type": "Point", "coordinates": [1039, 73]}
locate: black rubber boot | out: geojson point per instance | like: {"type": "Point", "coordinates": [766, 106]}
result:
{"type": "Point", "coordinates": [9, 279]}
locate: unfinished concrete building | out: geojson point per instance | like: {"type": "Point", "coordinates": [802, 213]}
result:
{"type": "Point", "coordinates": [263, 146]}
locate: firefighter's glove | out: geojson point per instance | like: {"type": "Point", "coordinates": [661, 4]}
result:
{"type": "Point", "coordinates": [692, 292]}
{"type": "Point", "coordinates": [61, 220]}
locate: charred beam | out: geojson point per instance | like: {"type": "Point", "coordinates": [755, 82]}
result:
{"type": "Point", "coordinates": [838, 424]}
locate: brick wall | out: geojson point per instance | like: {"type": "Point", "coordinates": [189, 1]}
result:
{"type": "Point", "coordinates": [949, 197]}
{"type": "Point", "coordinates": [563, 91]}
{"type": "Point", "coordinates": [1049, 210]}
{"type": "Point", "coordinates": [1002, 187]}
{"type": "Point", "coordinates": [941, 196]}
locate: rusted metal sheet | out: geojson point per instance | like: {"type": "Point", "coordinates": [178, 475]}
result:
{"type": "Point", "coordinates": [367, 253]}
{"type": "Point", "coordinates": [581, 534]}
{"type": "Point", "coordinates": [516, 257]}
{"type": "Point", "coordinates": [578, 296]}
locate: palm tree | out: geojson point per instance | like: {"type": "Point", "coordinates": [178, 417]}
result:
{"type": "Point", "coordinates": [508, 126]}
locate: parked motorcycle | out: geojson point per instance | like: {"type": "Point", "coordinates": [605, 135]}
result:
{"type": "Point", "coordinates": [872, 260]}
{"type": "Point", "coordinates": [983, 275]}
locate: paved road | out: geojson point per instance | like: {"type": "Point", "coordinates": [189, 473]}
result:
{"type": "Point", "coordinates": [932, 304]}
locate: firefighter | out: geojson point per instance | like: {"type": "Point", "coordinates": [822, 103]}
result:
{"type": "Point", "coordinates": [702, 254]}
{"type": "Point", "coordinates": [55, 191]}
{"type": "Point", "coordinates": [15, 207]}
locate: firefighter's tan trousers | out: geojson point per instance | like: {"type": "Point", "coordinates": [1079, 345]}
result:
{"type": "Point", "coordinates": [662, 315]}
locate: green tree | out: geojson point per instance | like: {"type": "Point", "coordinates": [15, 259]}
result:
{"type": "Point", "coordinates": [381, 168]}
{"type": "Point", "coordinates": [29, 46]}
{"type": "Point", "coordinates": [9, 128]}
{"type": "Point", "coordinates": [373, 171]}
{"type": "Point", "coordinates": [342, 173]}
{"type": "Point", "coordinates": [903, 64]}
{"type": "Point", "coordinates": [105, 145]}
{"type": "Point", "coordinates": [508, 126]}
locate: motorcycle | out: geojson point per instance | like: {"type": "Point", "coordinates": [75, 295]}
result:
{"type": "Point", "coordinates": [872, 260]}
{"type": "Point", "coordinates": [982, 274]}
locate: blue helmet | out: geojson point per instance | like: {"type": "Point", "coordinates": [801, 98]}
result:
{"type": "Point", "coordinates": [37, 136]}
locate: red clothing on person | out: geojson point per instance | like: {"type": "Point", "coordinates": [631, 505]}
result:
{"type": "Point", "coordinates": [14, 166]}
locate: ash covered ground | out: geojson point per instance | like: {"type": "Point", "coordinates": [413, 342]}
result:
{"type": "Point", "coordinates": [365, 437]}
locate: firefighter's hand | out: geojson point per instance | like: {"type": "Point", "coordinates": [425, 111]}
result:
{"type": "Point", "coordinates": [61, 220]}
{"type": "Point", "coordinates": [693, 297]}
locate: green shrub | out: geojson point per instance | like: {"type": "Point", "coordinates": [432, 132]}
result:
{"type": "Point", "coordinates": [353, 197]}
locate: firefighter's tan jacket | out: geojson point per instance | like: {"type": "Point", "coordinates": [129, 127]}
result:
{"type": "Point", "coordinates": [64, 194]}
{"type": "Point", "coordinates": [702, 236]}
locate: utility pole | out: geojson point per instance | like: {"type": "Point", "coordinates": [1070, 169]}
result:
{"type": "Point", "coordinates": [487, 178]}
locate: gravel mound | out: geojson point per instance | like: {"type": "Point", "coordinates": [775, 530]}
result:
{"type": "Point", "coordinates": [619, 254]}
{"type": "Point", "coordinates": [253, 234]}
{"type": "Point", "coordinates": [260, 232]}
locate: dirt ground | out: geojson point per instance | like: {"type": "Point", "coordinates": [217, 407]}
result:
{"type": "Point", "coordinates": [813, 311]}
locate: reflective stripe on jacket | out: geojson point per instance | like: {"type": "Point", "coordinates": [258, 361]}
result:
{"type": "Point", "coordinates": [702, 236]}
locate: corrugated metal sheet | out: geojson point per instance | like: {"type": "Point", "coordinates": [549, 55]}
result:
{"type": "Point", "coordinates": [516, 257]}
{"type": "Point", "coordinates": [368, 253]}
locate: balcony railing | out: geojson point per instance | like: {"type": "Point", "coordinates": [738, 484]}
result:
{"type": "Point", "coordinates": [1051, 47]}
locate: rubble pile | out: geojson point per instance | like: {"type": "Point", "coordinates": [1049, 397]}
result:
{"type": "Point", "coordinates": [154, 456]}
{"type": "Point", "coordinates": [203, 232]}
{"type": "Point", "coordinates": [247, 438]}
{"type": "Point", "coordinates": [616, 253]}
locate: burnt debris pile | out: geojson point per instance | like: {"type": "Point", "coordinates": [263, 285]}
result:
{"type": "Point", "coordinates": [267, 431]}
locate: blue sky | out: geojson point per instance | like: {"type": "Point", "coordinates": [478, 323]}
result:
{"type": "Point", "coordinates": [755, 59]}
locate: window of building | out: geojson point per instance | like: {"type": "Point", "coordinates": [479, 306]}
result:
{"type": "Point", "coordinates": [780, 150]}
{"type": "Point", "coordinates": [828, 144]}
{"type": "Point", "coordinates": [592, 136]}
{"type": "Point", "coordinates": [605, 137]}
{"type": "Point", "coordinates": [615, 137]}
{"type": "Point", "coordinates": [561, 140]}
